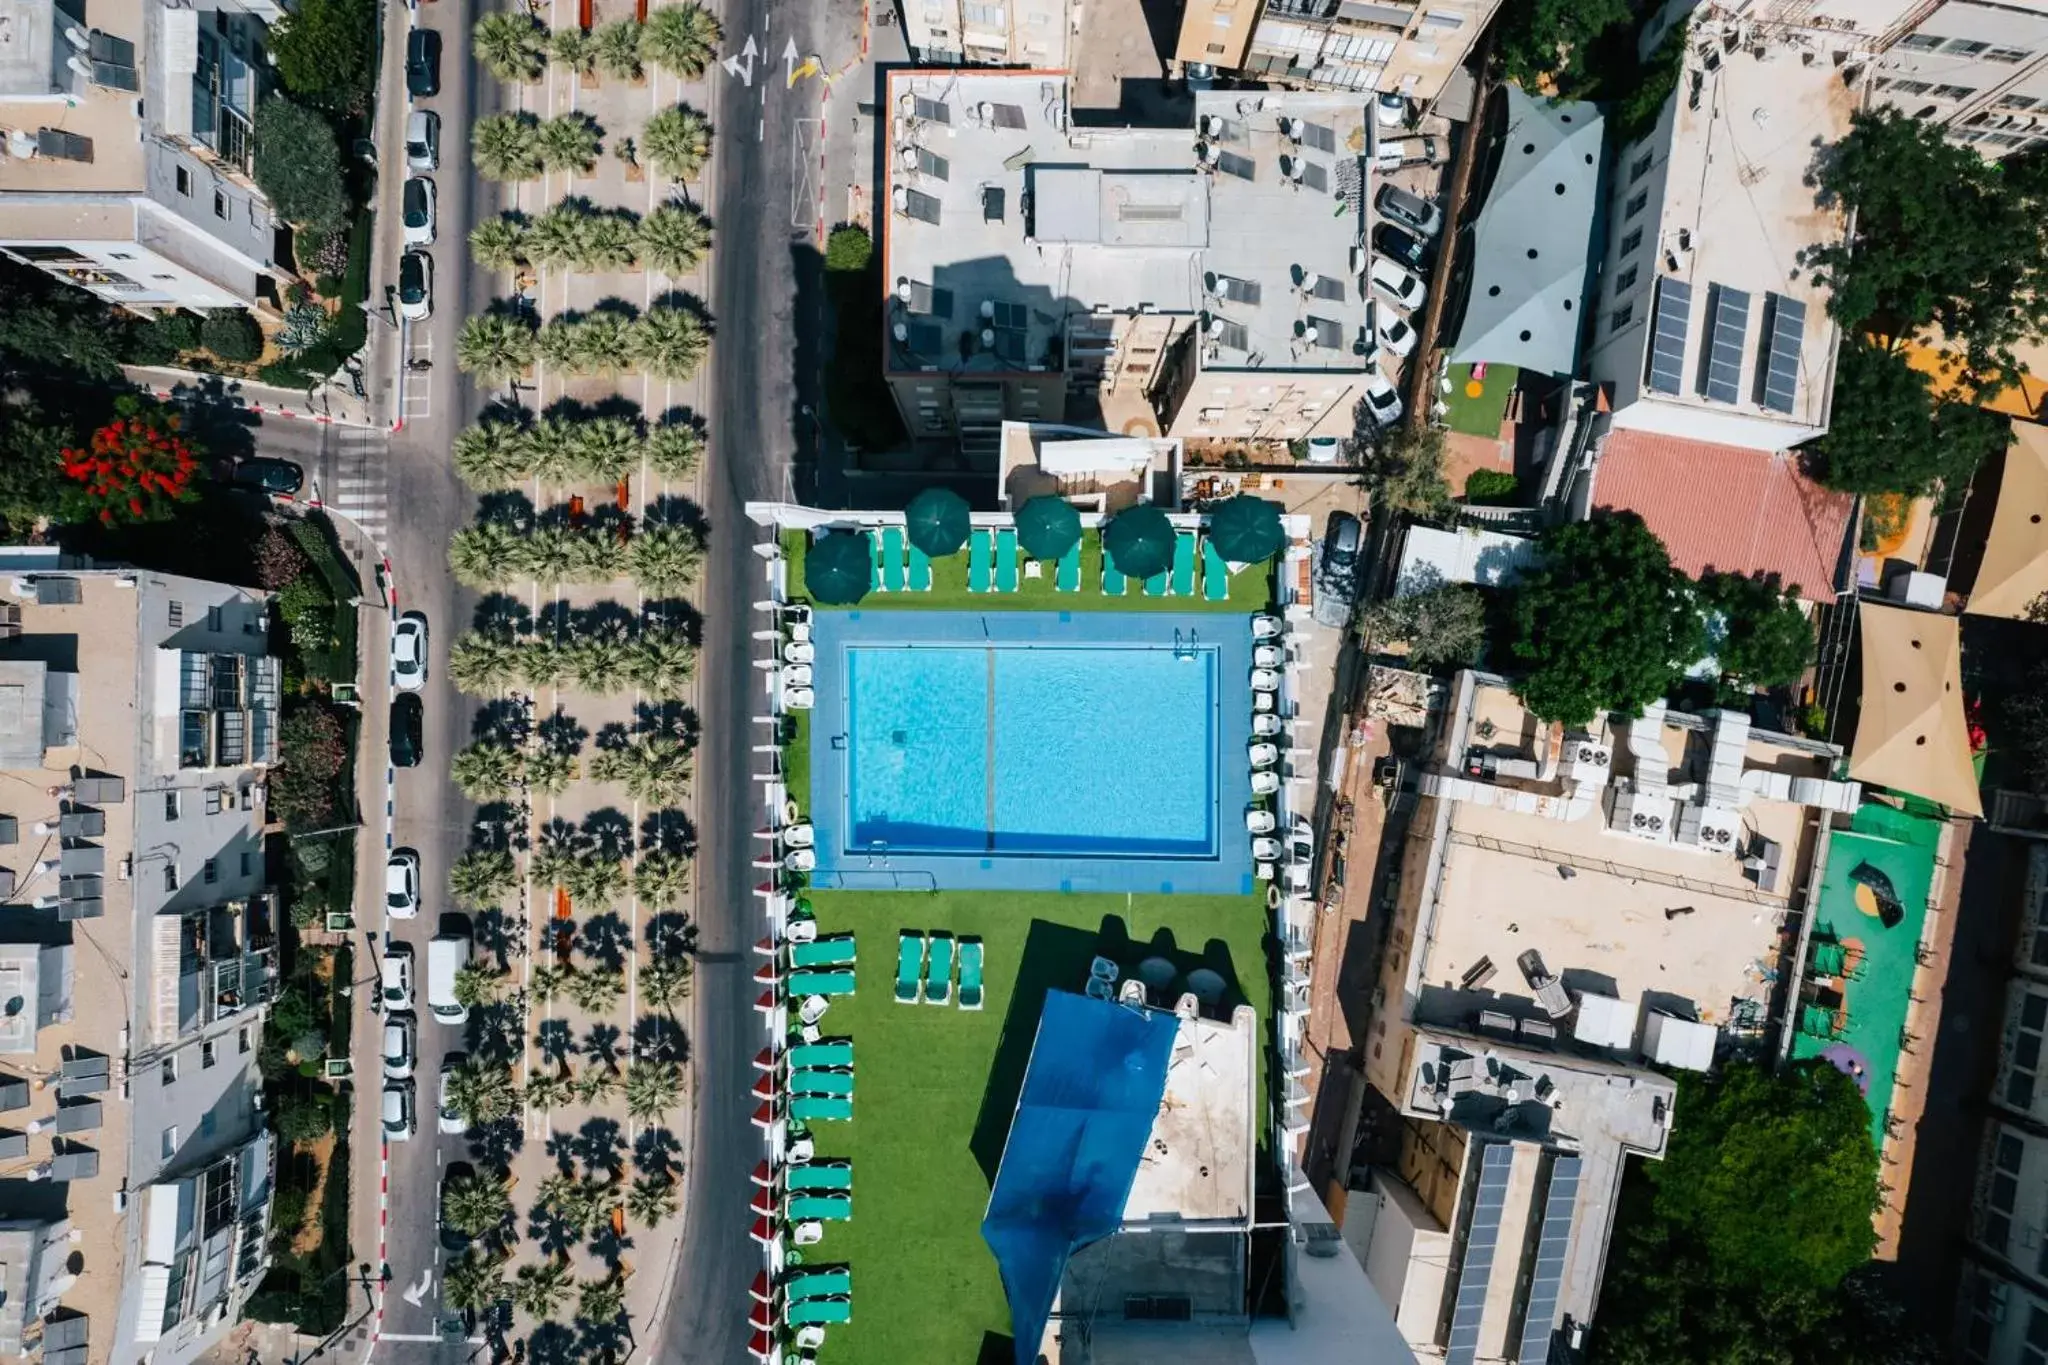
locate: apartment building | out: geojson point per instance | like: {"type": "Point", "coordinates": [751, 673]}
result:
{"type": "Point", "coordinates": [1202, 283]}
{"type": "Point", "coordinates": [1403, 47]}
{"type": "Point", "coordinates": [977, 33]}
{"type": "Point", "coordinates": [129, 132]}
{"type": "Point", "coordinates": [137, 714]}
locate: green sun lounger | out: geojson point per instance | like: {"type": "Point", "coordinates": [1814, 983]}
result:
{"type": "Point", "coordinates": [818, 1312]}
{"type": "Point", "coordinates": [836, 951]}
{"type": "Point", "coordinates": [938, 972]}
{"type": "Point", "coordinates": [970, 973]}
{"type": "Point", "coordinates": [820, 1177]}
{"type": "Point", "coordinates": [1215, 574]}
{"type": "Point", "coordinates": [821, 983]}
{"type": "Point", "coordinates": [909, 968]}
{"type": "Point", "coordinates": [838, 1084]}
{"type": "Point", "coordinates": [818, 1108]}
{"type": "Point", "coordinates": [1113, 580]}
{"type": "Point", "coordinates": [826, 1208]}
{"type": "Point", "coordinates": [892, 559]}
{"type": "Point", "coordinates": [811, 1056]}
{"type": "Point", "coordinates": [1006, 560]}
{"type": "Point", "coordinates": [819, 1284]}
{"type": "Point", "coordinates": [875, 559]}
{"type": "Point", "coordinates": [1156, 585]}
{"type": "Point", "coordinates": [1184, 564]}
{"type": "Point", "coordinates": [920, 570]}
{"type": "Point", "coordinates": [980, 551]}
{"type": "Point", "coordinates": [1067, 577]}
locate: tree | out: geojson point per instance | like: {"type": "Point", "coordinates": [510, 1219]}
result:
{"type": "Point", "coordinates": [674, 238]}
{"type": "Point", "coordinates": [1443, 625]}
{"type": "Point", "coordinates": [652, 1090]}
{"type": "Point", "coordinates": [1766, 638]}
{"type": "Point", "coordinates": [325, 52]}
{"type": "Point", "coordinates": [677, 142]}
{"type": "Point", "coordinates": [599, 990]}
{"type": "Point", "coordinates": [601, 1302]}
{"type": "Point", "coordinates": [609, 242]}
{"type": "Point", "coordinates": [137, 468]}
{"type": "Point", "coordinates": [303, 1120]}
{"type": "Point", "coordinates": [1405, 472]}
{"type": "Point", "coordinates": [486, 770]}
{"type": "Point", "coordinates": [481, 878]}
{"type": "Point", "coordinates": [232, 335]}
{"type": "Point", "coordinates": [616, 49]}
{"type": "Point", "coordinates": [492, 455]}
{"type": "Point", "coordinates": [476, 985]}
{"type": "Point", "coordinates": [607, 449]}
{"type": "Point", "coordinates": [540, 1290]}
{"type": "Point", "coordinates": [551, 449]}
{"type": "Point", "coordinates": [298, 166]}
{"type": "Point", "coordinates": [661, 663]}
{"type": "Point", "coordinates": [660, 878]}
{"type": "Point", "coordinates": [665, 981]}
{"type": "Point", "coordinates": [573, 51]}
{"type": "Point", "coordinates": [674, 449]}
{"type": "Point", "coordinates": [597, 1085]}
{"type": "Point", "coordinates": [555, 237]}
{"type": "Point", "coordinates": [506, 147]}
{"type": "Point", "coordinates": [665, 559]}
{"type": "Point", "coordinates": [312, 754]}
{"type": "Point", "coordinates": [499, 243]}
{"type": "Point", "coordinates": [1601, 621]}
{"type": "Point", "coordinates": [1538, 40]}
{"type": "Point", "coordinates": [509, 44]}
{"type": "Point", "coordinates": [476, 1203]}
{"type": "Point", "coordinates": [1888, 433]}
{"type": "Point", "coordinates": [596, 878]}
{"type": "Point", "coordinates": [484, 665]}
{"type": "Point", "coordinates": [474, 1281]}
{"type": "Point", "coordinates": [569, 142]}
{"type": "Point", "coordinates": [494, 348]}
{"type": "Point", "coordinates": [550, 771]}
{"type": "Point", "coordinates": [654, 768]}
{"type": "Point", "coordinates": [31, 460]}
{"type": "Point", "coordinates": [650, 1199]}
{"type": "Point", "coordinates": [681, 39]}
{"type": "Point", "coordinates": [484, 556]}
{"type": "Point", "coordinates": [547, 980]}
{"type": "Point", "coordinates": [549, 1090]}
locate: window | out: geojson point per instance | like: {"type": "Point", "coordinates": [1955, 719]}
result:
{"type": "Point", "coordinates": [245, 1038]}
{"type": "Point", "coordinates": [1954, 92]}
{"type": "Point", "coordinates": [174, 804]}
{"type": "Point", "coordinates": [1621, 317]}
{"type": "Point", "coordinates": [987, 16]}
{"type": "Point", "coordinates": [171, 876]}
{"type": "Point", "coordinates": [2035, 1350]}
{"type": "Point", "coordinates": [169, 1069]}
{"type": "Point", "coordinates": [213, 801]}
{"type": "Point", "coordinates": [1964, 47]}
{"type": "Point", "coordinates": [1641, 167]}
{"type": "Point", "coordinates": [121, 255]}
{"type": "Point", "coordinates": [1921, 42]}
{"type": "Point", "coordinates": [2007, 55]}
{"type": "Point", "coordinates": [1629, 243]}
{"type": "Point", "coordinates": [184, 182]}
{"type": "Point", "coordinates": [206, 1122]}
{"type": "Point", "coordinates": [1636, 203]}
{"type": "Point", "coordinates": [210, 872]}
{"type": "Point", "coordinates": [175, 612]}
{"type": "Point", "coordinates": [248, 863]}
{"type": "Point", "coordinates": [214, 618]}
{"type": "Point", "coordinates": [169, 1143]}
{"type": "Point", "coordinates": [2017, 102]}
{"type": "Point", "coordinates": [2025, 1060]}
{"type": "Point", "coordinates": [1625, 281]}
{"type": "Point", "coordinates": [1216, 49]}
{"type": "Point", "coordinates": [1905, 87]}
{"type": "Point", "coordinates": [206, 1055]}
{"type": "Point", "coordinates": [220, 205]}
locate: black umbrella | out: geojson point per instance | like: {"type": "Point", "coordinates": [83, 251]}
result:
{"type": "Point", "coordinates": [937, 521]}
{"type": "Point", "coordinates": [840, 568]}
{"type": "Point", "coordinates": [1048, 527]}
{"type": "Point", "coordinates": [1139, 541]}
{"type": "Point", "coordinates": [1245, 529]}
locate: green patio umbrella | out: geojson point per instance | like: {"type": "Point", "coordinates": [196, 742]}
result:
{"type": "Point", "coordinates": [840, 568]}
{"type": "Point", "coordinates": [1048, 527]}
{"type": "Point", "coordinates": [1139, 540]}
{"type": "Point", "coordinates": [937, 521]}
{"type": "Point", "coordinates": [1245, 529]}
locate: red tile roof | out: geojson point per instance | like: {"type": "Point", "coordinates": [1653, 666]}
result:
{"type": "Point", "coordinates": [1727, 509]}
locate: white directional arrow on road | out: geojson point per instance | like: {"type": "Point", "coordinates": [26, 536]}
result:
{"type": "Point", "coordinates": [414, 1293]}
{"type": "Point", "coordinates": [742, 65]}
{"type": "Point", "coordinates": [789, 61]}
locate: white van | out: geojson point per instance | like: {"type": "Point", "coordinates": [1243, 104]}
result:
{"type": "Point", "coordinates": [447, 954]}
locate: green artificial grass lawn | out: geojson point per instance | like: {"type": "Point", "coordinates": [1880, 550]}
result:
{"type": "Point", "coordinates": [1251, 588]}
{"type": "Point", "coordinates": [935, 1089]}
{"type": "Point", "coordinates": [1480, 416]}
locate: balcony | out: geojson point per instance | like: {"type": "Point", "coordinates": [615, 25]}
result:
{"type": "Point", "coordinates": [227, 710]}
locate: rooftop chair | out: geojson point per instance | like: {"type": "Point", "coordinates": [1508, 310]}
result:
{"type": "Point", "coordinates": [825, 1282]}
{"type": "Point", "coordinates": [1184, 564]}
{"type": "Point", "coordinates": [821, 983]}
{"type": "Point", "coordinates": [1159, 584]}
{"type": "Point", "coordinates": [970, 973]}
{"type": "Point", "coordinates": [1215, 574]}
{"type": "Point", "coordinates": [938, 972]}
{"type": "Point", "coordinates": [909, 967]}
{"type": "Point", "coordinates": [836, 951]}
{"type": "Point", "coordinates": [1067, 576]}
{"type": "Point", "coordinates": [825, 1208]}
{"type": "Point", "coordinates": [892, 559]}
{"type": "Point", "coordinates": [1006, 559]}
{"type": "Point", "coordinates": [815, 1312]}
{"type": "Point", "coordinates": [819, 1177]}
{"type": "Point", "coordinates": [1113, 580]}
{"type": "Point", "coordinates": [836, 1083]}
{"type": "Point", "coordinates": [814, 1056]}
{"type": "Point", "coordinates": [980, 553]}
{"type": "Point", "coordinates": [817, 1108]}
{"type": "Point", "coordinates": [920, 570]}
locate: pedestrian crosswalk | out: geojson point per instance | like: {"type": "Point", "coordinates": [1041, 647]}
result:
{"type": "Point", "coordinates": [354, 482]}
{"type": "Point", "coordinates": [363, 500]}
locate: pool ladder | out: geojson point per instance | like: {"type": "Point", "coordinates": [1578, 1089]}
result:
{"type": "Point", "coordinates": [1186, 644]}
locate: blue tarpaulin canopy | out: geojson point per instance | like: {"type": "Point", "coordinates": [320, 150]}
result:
{"type": "Point", "coordinates": [1096, 1076]}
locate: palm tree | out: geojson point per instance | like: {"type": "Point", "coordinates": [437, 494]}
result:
{"type": "Point", "coordinates": [509, 45]}
{"type": "Point", "coordinates": [555, 237]}
{"type": "Point", "coordinates": [602, 343]}
{"type": "Point", "coordinates": [486, 771]}
{"type": "Point", "coordinates": [552, 863]}
{"type": "Point", "coordinates": [549, 553]}
{"type": "Point", "coordinates": [600, 557]}
{"type": "Point", "coordinates": [549, 1090]}
{"type": "Point", "coordinates": [598, 991]}
{"type": "Point", "coordinates": [498, 243]}
{"type": "Point", "coordinates": [665, 981]}
{"type": "Point", "coordinates": [481, 1094]}
{"type": "Point", "coordinates": [617, 48]}
{"type": "Point", "coordinates": [674, 448]}
{"type": "Point", "coordinates": [476, 1203]}
{"type": "Point", "coordinates": [572, 50]}
{"type": "Point", "coordinates": [483, 665]}
{"type": "Point", "coordinates": [506, 147]}
{"type": "Point", "coordinates": [551, 443]}
{"type": "Point", "coordinates": [655, 769]}
{"type": "Point", "coordinates": [476, 985]}
{"type": "Point", "coordinates": [484, 556]}
{"type": "Point", "coordinates": [569, 142]}
{"type": "Point", "coordinates": [547, 981]}
{"type": "Point", "coordinates": [596, 879]}
{"type": "Point", "coordinates": [540, 1290]}
{"type": "Point", "coordinates": [481, 878]}
{"type": "Point", "coordinates": [650, 1199]}
{"type": "Point", "coordinates": [491, 456]}
{"type": "Point", "coordinates": [666, 558]}
{"type": "Point", "coordinates": [474, 1282]}
{"type": "Point", "coordinates": [550, 771]}
{"type": "Point", "coordinates": [674, 238]}
{"type": "Point", "coordinates": [597, 1084]}
{"type": "Point", "coordinates": [662, 663]}
{"type": "Point", "coordinates": [681, 39]}
{"type": "Point", "coordinates": [609, 243]}
{"type": "Point", "coordinates": [677, 142]}
{"type": "Point", "coordinates": [495, 348]}
{"type": "Point", "coordinates": [607, 449]}
{"type": "Point", "coordinates": [598, 662]}
{"type": "Point", "coordinates": [652, 1089]}
{"type": "Point", "coordinates": [602, 1301]}
{"type": "Point", "coordinates": [660, 877]}
{"type": "Point", "coordinates": [542, 664]}
{"type": "Point", "coordinates": [668, 343]}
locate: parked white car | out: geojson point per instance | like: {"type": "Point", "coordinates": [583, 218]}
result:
{"type": "Point", "coordinates": [417, 205]}
{"type": "Point", "coordinates": [1396, 284]}
{"type": "Point", "coordinates": [1382, 400]}
{"type": "Point", "coordinates": [396, 1111]}
{"type": "Point", "coordinates": [402, 884]}
{"type": "Point", "coordinates": [401, 1045]}
{"type": "Point", "coordinates": [422, 140]}
{"type": "Point", "coordinates": [395, 969]}
{"type": "Point", "coordinates": [448, 1119]}
{"type": "Point", "coordinates": [409, 652]}
{"type": "Point", "coordinates": [416, 286]}
{"type": "Point", "coordinates": [1398, 338]}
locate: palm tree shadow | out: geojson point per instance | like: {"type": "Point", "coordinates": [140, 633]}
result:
{"type": "Point", "coordinates": [500, 615]}
{"type": "Point", "coordinates": [562, 733]}
{"type": "Point", "coordinates": [662, 1040]}
{"type": "Point", "coordinates": [609, 831]}
{"type": "Point", "coordinates": [672, 934]}
{"type": "Point", "coordinates": [670, 831]}
{"type": "Point", "coordinates": [510, 508]}
{"type": "Point", "coordinates": [658, 1152]}
{"type": "Point", "coordinates": [687, 302]}
{"type": "Point", "coordinates": [607, 941]}
{"type": "Point", "coordinates": [677, 614]}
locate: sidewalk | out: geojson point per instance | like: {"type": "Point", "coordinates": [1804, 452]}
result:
{"type": "Point", "coordinates": [327, 405]}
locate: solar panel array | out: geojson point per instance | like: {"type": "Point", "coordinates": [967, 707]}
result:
{"type": "Point", "coordinates": [1007, 115]}
{"type": "Point", "coordinates": [1481, 1242]}
{"type": "Point", "coordinates": [933, 165]}
{"type": "Point", "coordinates": [1673, 310]}
{"type": "Point", "coordinates": [1547, 1280]}
{"type": "Point", "coordinates": [1232, 335]}
{"type": "Point", "coordinates": [1781, 351]}
{"type": "Point", "coordinates": [1730, 314]}
{"type": "Point", "coordinates": [1328, 287]}
{"type": "Point", "coordinates": [1234, 289]}
{"type": "Point", "coordinates": [920, 205]}
{"type": "Point", "coordinates": [1243, 167]}
{"type": "Point", "coordinates": [932, 111]}
{"type": "Point", "coordinates": [1319, 136]}
{"type": "Point", "coordinates": [1315, 177]}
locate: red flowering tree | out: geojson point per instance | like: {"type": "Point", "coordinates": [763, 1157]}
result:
{"type": "Point", "coordinates": [136, 468]}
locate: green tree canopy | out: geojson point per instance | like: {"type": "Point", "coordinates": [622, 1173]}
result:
{"type": "Point", "coordinates": [1767, 640]}
{"type": "Point", "coordinates": [1544, 38]}
{"type": "Point", "coordinates": [325, 52]}
{"type": "Point", "coordinates": [1888, 433]}
{"type": "Point", "coordinates": [1442, 626]}
{"type": "Point", "coordinates": [1602, 621]}
{"type": "Point", "coordinates": [298, 166]}
{"type": "Point", "coordinates": [1404, 471]}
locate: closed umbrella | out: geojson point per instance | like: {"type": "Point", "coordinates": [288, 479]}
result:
{"type": "Point", "coordinates": [937, 521]}
{"type": "Point", "coordinates": [1139, 541]}
{"type": "Point", "coordinates": [1048, 527]}
{"type": "Point", "coordinates": [1245, 529]}
{"type": "Point", "coordinates": [840, 568]}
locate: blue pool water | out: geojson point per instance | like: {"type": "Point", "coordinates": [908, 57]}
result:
{"type": "Point", "coordinates": [1085, 751]}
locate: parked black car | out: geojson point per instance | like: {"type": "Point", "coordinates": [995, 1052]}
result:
{"type": "Point", "coordinates": [1337, 566]}
{"type": "Point", "coordinates": [407, 720]}
{"type": "Point", "coordinates": [1401, 246]}
{"type": "Point", "coordinates": [270, 474]}
{"type": "Point", "coordinates": [423, 63]}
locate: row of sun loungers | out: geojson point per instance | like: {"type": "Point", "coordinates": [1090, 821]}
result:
{"type": "Point", "coordinates": [993, 565]}
{"type": "Point", "coordinates": [899, 565]}
{"type": "Point", "coordinates": [924, 970]}
{"type": "Point", "coordinates": [1178, 580]}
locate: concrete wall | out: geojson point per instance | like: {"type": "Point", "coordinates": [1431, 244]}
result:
{"type": "Point", "coordinates": [988, 32]}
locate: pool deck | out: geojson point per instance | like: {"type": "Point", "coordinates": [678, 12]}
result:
{"type": "Point", "coordinates": [1225, 871]}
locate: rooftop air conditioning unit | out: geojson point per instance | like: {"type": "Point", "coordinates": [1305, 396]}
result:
{"type": "Point", "coordinates": [1594, 755]}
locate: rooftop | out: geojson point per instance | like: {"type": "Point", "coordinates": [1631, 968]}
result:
{"type": "Point", "coordinates": [1092, 469]}
{"type": "Point", "coordinates": [1197, 1165]}
{"type": "Point", "coordinates": [1728, 509]}
{"type": "Point", "coordinates": [1006, 223]}
{"type": "Point", "coordinates": [42, 90]}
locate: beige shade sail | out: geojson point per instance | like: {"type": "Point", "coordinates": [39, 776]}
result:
{"type": "Point", "coordinates": [2014, 573]}
{"type": "Point", "coordinates": [1911, 736]}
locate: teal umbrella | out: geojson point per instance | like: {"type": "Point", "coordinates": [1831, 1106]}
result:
{"type": "Point", "coordinates": [840, 568]}
{"type": "Point", "coordinates": [1048, 527]}
{"type": "Point", "coordinates": [937, 521]}
{"type": "Point", "coordinates": [1245, 529]}
{"type": "Point", "coordinates": [1139, 540]}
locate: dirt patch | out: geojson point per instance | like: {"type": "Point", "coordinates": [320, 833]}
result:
{"type": "Point", "coordinates": [307, 1240]}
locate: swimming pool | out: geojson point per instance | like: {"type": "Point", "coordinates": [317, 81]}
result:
{"type": "Point", "coordinates": [1030, 750]}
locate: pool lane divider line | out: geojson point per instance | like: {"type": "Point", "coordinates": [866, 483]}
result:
{"type": "Point", "coordinates": [989, 748]}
